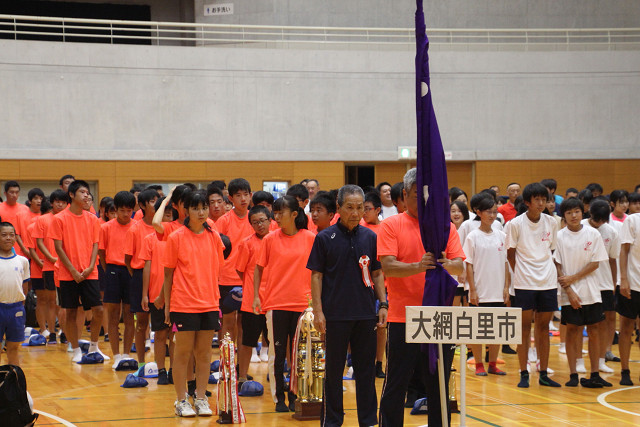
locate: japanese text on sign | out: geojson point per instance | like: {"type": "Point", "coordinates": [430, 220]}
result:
{"type": "Point", "coordinates": [218, 9]}
{"type": "Point", "coordinates": [468, 325]}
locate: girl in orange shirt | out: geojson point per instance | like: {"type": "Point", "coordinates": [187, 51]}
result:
{"type": "Point", "coordinates": [283, 254]}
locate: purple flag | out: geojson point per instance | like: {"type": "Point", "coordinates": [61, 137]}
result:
{"type": "Point", "coordinates": [432, 184]}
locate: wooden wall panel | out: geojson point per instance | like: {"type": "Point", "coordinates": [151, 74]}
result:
{"type": "Point", "coordinates": [391, 172]}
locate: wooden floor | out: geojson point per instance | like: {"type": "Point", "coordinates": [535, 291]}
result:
{"type": "Point", "coordinates": [69, 394]}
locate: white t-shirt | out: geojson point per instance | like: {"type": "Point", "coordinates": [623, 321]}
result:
{"type": "Point", "coordinates": [631, 234]}
{"type": "Point", "coordinates": [487, 253]}
{"type": "Point", "coordinates": [386, 212]}
{"type": "Point", "coordinates": [534, 269]}
{"type": "Point", "coordinates": [611, 241]}
{"type": "Point", "coordinates": [574, 250]}
{"type": "Point", "coordinates": [471, 224]}
{"type": "Point", "coordinates": [617, 225]}
{"type": "Point", "coordinates": [13, 272]}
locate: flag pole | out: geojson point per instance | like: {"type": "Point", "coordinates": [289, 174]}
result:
{"type": "Point", "coordinates": [463, 384]}
{"type": "Point", "coordinates": [444, 399]}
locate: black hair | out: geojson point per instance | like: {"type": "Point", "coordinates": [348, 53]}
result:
{"type": "Point", "coordinates": [594, 186]}
{"type": "Point", "coordinates": [177, 194]}
{"type": "Point", "coordinates": [262, 196]}
{"type": "Point", "coordinates": [463, 208]}
{"type": "Point", "coordinates": [599, 210]}
{"type": "Point", "coordinates": [292, 204]}
{"type": "Point", "coordinates": [618, 196]}
{"type": "Point", "coordinates": [550, 183]}
{"type": "Point", "coordinates": [76, 185]}
{"type": "Point", "coordinates": [193, 200]}
{"type": "Point", "coordinates": [396, 191]}
{"type": "Point", "coordinates": [571, 190]}
{"type": "Point", "coordinates": [455, 192]}
{"type": "Point", "coordinates": [325, 200]}
{"type": "Point", "coordinates": [59, 194]}
{"type": "Point", "coordinates": [45, 207]}
{"type": "Point", "coordinates": [569, 204]}
{"type": "Point", "coordinates": [104, 201]}
{"type": "Point", "coordinates": [475, 199]}
{"type": "Point", "coordinates": [136, 188]}
{"type": "Point", "coordinates": [219, 184]}
{"type": "Point", "coordinates": [227, 245]}
{"type": "Point", "coordinates": [9, 184]}
{"type": "Point", "coordinates": [239, 184]}
{"type": "Point", "coordinates": [298, 191]}
{"type": "Point", "coordinates": [585, 196]}
{"type": "Point", "coordinates": [156, 187]}
{"type": "Point", "coordinates": [168, 208]}
{"type": "Point", "coordinates": [484, 204]}
{"type": "Point", "coordinates": [227, 201]}
{"type": "Point", "coordinates": [634, 197]}
{"type": "Point", "coordinates": [35, 192]}
{"type": "Point", "coordinates": [65, 177]}
{"type": "Point", "coordinates": [374, 199]}
{"type": "Point", "coordinates": [214, 190]}
{"type": "Point", "coordinates": [382, 184]}
{"type": "Point", "coordinates": [520, 206]}
{"type": "Point", "coordinates": [258, 209]}
{"type": "Point", "coordinates": [492, 193]}
{"type": "Point", "coordinates": [108, 207]}
{"type": "Point", "coordinates": [191, 186]}
{"type": "Point", "coordinates": [304, 181]}
{"type": "Point", "coordinates": [146, 196]}
{"type": "Point", "coordinates": [7, 224]}
{"type": "Point", "coordinates": [535, 189]}
{"type": "Point", "coordinates": [124, 199]}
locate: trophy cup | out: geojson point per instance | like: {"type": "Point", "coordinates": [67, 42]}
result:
{"type": "Point", "coordinates": [307, 379]}
{"type": "Point", "coordinates": [453, 402]}
{"type": "Point", "coordinates": [229, 408]}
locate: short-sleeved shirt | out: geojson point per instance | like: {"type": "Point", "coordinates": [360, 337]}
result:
{"type": "Point", "coordinates": [399, 236]}
{"type": "Point", "coordinates": [169, 227]}
{"type": "Point", "coordinates": [574, 251]}
{"type": "Point", "coordinates": [14, 271]}
{"type": "Point", "coordinates": [347, 260]}
{"type": "Point", "coordinates": [137, 216]}
{"type": "Point", "coordinates": [134, 238]}
{"type": "Point", "coordinates": [630, 233]}
{"type": "Point", "coordinates": [508, 211]}
{"type": "Point", "coordinates": [248, 251]}
{"type": "Point", "coordinates": [78, 234]}
{"type": "Point", "coordinates": [40, 230]}
{"type": "Point", "coordinates": [30, 242]}
{"type": "Point", "coordinates": [534, 242]}
{"type": "Point", "coordinates": [113, 240]}
{"type": "Point", "coordinates": [372, 227]}
{"type": "Point", "coordinates": [24, 219]}
{"type": "Point", "coordinates": [153, 250]}
{"type": "Point", "coordinates": [611, 240]}
{"type": "Point", "coordinates": [236, 229]}
{"type": "Point", "coordinates": [197, 260]}
{"type": "Point", "coordinates": [284, 259]}
{"type": "Point", "coordinates": [471, 224]}
{"type": "Point", "coordinates": [487, 253]}
{"type": "Point", "coordinates": [10, 214]}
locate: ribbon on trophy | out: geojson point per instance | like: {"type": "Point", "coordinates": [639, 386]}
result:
{"type": "Point", "coordinates": [364, 262]}
{"type": "Point", "coordinates": [228, 401]}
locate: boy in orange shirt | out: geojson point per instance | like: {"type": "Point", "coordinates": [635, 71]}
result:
{"type": "Point", "coordinates": [372, 208]}
{"type": "Point", "coordinates": [322, 211]}
{"type": "Point", "coordinates": [175, 199]}
{"type": "Point", "coordinates": [36, 264]}
{"type": "Point", "coordinates": [113, 237]}
{"type": "Point", "coordinates": [9, 211]}
{"type": "Point", "coordinates": [216, 203]}
{"type": "Point", "coordinates": [76, 233]}
{"type": "Point", "coordinates": [26, 217]}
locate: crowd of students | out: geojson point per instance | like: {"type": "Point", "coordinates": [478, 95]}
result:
{"type": "Point", "coordinates": [175, 265]}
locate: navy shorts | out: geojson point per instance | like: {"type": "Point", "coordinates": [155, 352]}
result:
{"type": "Point", "coordinates": [542, 301]}
{"type": "Point", "coordinates": [157, 318]}
{"type": "Point", "coordinates": [586, 315]}
{"type": "Point", "coordinates": [608, 301]}
{"type": "Point", "coordinates": [12, 322]}
{"type": "Point", "coordinates": [252, 326]}
{"type": "Point", "coordinates": [135, 297]}
{"type": "Point", "coordinates": [71, 293]}
{"type": "Point", "coordinates": [37, 284]}
{"type": "Point", "coordinates": [49, 281]}
{"type": "Point", "coordinates": [117, 284]}
{"type": "Point", "coordinates": [207, 321]}
{"type": "Point", "coordinates": [629, 308]}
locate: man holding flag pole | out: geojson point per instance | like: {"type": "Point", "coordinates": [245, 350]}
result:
{"type": "Point", "coordinates": [407, 244]}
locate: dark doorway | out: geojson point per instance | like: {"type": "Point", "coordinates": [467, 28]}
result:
{"type": "Point", "coordinates": [364, 176]}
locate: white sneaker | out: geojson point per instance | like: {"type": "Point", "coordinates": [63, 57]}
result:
{"type": "Point", "coordinates": [46, 333]}
{"type": "Point", "coordinates": [106, 358]}
{"type": "Point", "coordinates": [549, 370]}
{"type": "Point", "coordinates": [603, 367]}
{"type": "Point", "coordinates": [585, 351]}
{"type": "Point", "coordinates": [563, 348]}
{"type": "Point", "coordinates": [533, 354]}
{"type": "Point", "coordinates": [77, 355]}
{"type": "Point", "coordinates": [184, 409]}
{"type": "Point", "coordinates": [264, 354]}
{"type": "Point", "coordinates": [552, 326]}
{"type": "Point", "coordinates": [254, 356]}
{"type": "Point", "coordinates": [147, 345]}
{"type": "Point", "coordinates": [580, 368]}
{"type": "Point", "coordinates": [116, 359]}
{"type": "Point", "coordinates": [202, 407]}
{"type": "Point", "coordinates": [69, 348]}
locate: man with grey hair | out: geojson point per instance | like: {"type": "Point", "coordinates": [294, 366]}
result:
{"type": "Point", "coordinates": [346, 280]}
{"type": "Point", "coordinates": [313, 186]}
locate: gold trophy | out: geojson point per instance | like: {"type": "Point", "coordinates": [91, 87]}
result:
{"type": "Point", "coordinates": [307, 380]}
{"type": "Point", "coordinates": [453, 402]}
{"type": "Point", "coordinates": [229, 407]}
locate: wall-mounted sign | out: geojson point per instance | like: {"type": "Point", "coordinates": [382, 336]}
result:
{"type": "Point", "coordinates": [218, 9]}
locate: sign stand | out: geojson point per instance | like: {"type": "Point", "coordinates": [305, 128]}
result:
{"type": "Point", "coordinates": [444, 399]}
{"type": "Point", "coordinates": [463, 384]}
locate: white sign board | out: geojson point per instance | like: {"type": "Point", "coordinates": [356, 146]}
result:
{"type": "Point", "coordinates": [468, 325]}
{"type": "Point", "coordinates": [218, 9]}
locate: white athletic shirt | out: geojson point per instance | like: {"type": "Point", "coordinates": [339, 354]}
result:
{"type": "Point", "coordinates": [471, 224]}
{"type": "Point", "coordinates": [574, 250]}
{"type": "Point", "coordinates": [386, 212]}
{"type": "Point", "coordinates": [487, 253]}
{"type": "Point", "coordinates": [611, 241]}
{"type": "Point", "coordinates": [13, 272]}
{"type": "Point", "coordinates": [631, 234]}
{"type": "Point", "coordinates": [534, 269]}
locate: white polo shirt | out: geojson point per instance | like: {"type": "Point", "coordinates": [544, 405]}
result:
{"type": "Point", "coordinates": [13, 272]}
{"type": "Point", "coordinates": [631, 234]}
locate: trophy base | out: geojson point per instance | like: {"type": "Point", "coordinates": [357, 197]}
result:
{"type": "Point", "coordinates": [453, 407]}
{"type": "Point", "coordinates": [307, 410]}
{"type": "Point", "coordinates": [225, 418]}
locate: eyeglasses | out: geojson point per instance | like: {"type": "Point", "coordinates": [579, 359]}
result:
{"type": "Point", "coordinates": [259, 222]}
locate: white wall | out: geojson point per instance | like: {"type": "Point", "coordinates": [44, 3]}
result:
{"type": "Point", "coordinates": [204, 103]}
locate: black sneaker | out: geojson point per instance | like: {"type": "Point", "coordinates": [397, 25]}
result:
{"type": "Point", "coordinates": [102, 331]}
{"type": "Point", "coordinates": [106, 337]}
{"type": "Point", "coordinates": [292, 402]}
{"type": "Point", "coordinates": [411, 399]}
{"type": "Point", "coordinates": [63, 338]}
{"type": "Point", "coordinates": [610, 357]}
{"type": "Point", "coordinates": [524, 379]}
{"type": "Point", "coordinates": [52, 339]}
{"type": "Point", "coordinates": [590, 383]}
{"type": "Point", "coordinates": [508, 350]}
{"type": "Point", "coordinates": [170, 376]}
{"type": "Point", "coordinates": [379, 372]}
{"type": "Point", "coordinates": [163, 378]}
{"type": "Point", "coordinates": [281, 407]}
{"type": "Point", "coordinates": [625, 377]}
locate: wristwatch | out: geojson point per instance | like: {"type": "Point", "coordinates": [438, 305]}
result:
{"type": "Point", "coordinates": [383, 304]}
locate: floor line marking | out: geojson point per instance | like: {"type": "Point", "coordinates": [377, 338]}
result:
{"type": "Point", "coordinates": [55, 418]}
{"type": "Point", "coordinates": [602, 400]}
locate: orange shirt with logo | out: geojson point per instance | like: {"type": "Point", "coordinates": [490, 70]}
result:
{"type": "Point", "coordinates": [113, 240]}
{"type": "Point", "coordinates": [236, 229]}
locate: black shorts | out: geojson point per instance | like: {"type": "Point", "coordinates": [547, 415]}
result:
{"type": "Point", "coordinates": [224, 291]}
{"type": "Point", "coordinates": [157, 318]}
{"type": "Point", "coordinates": [252, 326]}
{"type": "Point", "coordinates": [512, 300]}
{"type": "Point", "coordinates": [71, 293]}
{"type": "Point", "coordinates": [37, 284]}
{"type": "Point", "coordinates": [586, 315]}
{"type": "Point", "coordinates": [101, 278]}
{"type": "Point", "coordinates": [461, 292]}
{"type": "Point", "coordinates": [49, 281]}
{"type": "Point", "coordinates": [608, 300]}
{"type": "Point", "coordinates": [207, 321]}
{"type": "Point", "coordinates": [135, 288]}
{"type": "Point", "coordinates": [629, 308]}
{"type": "Point", "coordinates": [117, 284]}
{"type": "Point", "coordinates": [542, 301]}
{"type": "Point", "coordinates": [488, 304]}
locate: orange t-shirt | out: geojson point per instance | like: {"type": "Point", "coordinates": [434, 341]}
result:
{"type": "Point", "coordinates": [169, 227]}
{"type": "Point", "coordinates": [508, 211]}
{"type": "Point", "coordinates": [311, 226]}
{"type": "Point", "coordinates": [78, 234]}
{"type": "Point", "coordinates": [113, 240]}
{"type": "Point", "coordinates": [399, 236]}
{"type": "Point", "coordinates": [284, 259]}
{"type": "Point", "coordinates": [335, 219]}
{"type": "Point", "coordinates": [30, 242]}
{"type": "Point", "coordinates": [134, 238]}
{"type": "Point", "coordinates": [197, 260]}
{"type": "Point", "coordinates": [153, 250]}
{"type": "Point", "coordinates": [23, 220]}
{"type": "Point", "coordinates": [138, 215]}
{"type": "Point", "coordinates": [10, 214]}
{"type": "Point", "coordinates": [40, 231]}
{"type": "Point", "coordinates": [273, 226]}
{"type": "Point", "coordinates": [373, 227]}
{"type": "Point", "coordinates": [248, 251]}
{"type": "Point", "coordinates": [236, 229]}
